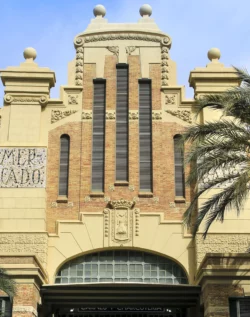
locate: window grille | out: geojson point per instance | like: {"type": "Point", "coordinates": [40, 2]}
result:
{"type": "Point", "coordinates": [64, 165]}
{"type": "Point", "coordinates": [5, 307]}
{"type": "Point", "coordinates": [122, 123]}
{"type": "Point", "coordinates": [145, 134]}
{"type": "Point", "coordinates": [98, 146]}
{"type": "Point", "coordinates": [179, 167]}
{"type": "Point", "coordinates": [121, 267]}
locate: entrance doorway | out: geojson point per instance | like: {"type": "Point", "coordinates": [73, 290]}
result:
{"type": "Point", "coordinates": [122, 312]}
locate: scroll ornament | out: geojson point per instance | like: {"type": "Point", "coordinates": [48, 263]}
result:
{"type": "Point", "coordinates": [184, 115]}
{"type": "Point", "coordinates": [57, 115]}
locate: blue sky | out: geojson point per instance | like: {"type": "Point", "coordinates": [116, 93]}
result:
{"type": "Point", "coordinates": [194, 25]}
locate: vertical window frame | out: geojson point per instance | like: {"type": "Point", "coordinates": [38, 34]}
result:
{"type": "Point", "coordinates": [66, 192]}
{"type": "Point", "coordinates": [176, 140]}
{"type": "Point", "coordinates": [101, 189]}
{"type": "Point", "coordinates": [148, 190]}
{"type": "Point", "coordinates": [126, 180]}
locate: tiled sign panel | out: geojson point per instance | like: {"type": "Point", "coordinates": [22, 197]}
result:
{"type": "Point", "coordinates": [23, 167]}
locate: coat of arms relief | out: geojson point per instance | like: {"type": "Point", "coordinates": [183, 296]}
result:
{"type": "Point", "coordinates": [121, 223]}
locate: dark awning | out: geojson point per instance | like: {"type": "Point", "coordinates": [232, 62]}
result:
{"type": "Point", "coordinates": [120, 295]}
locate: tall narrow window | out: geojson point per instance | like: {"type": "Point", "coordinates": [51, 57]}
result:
{"type": "Point", "coordinates": [145, 134]}
{"type": "Point", "coordinates": [179, 167]}
{"type": "Point", "coordinates": [122, 123]}
{"type": "Point", "coordinates": [64, 165]}
{"type": "Point", "coordinates": [98, 148]}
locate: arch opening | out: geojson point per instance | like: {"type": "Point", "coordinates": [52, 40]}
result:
{"type": "Point", "coordinates": [121, 266]}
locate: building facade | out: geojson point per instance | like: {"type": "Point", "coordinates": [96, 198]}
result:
{"type": "Point", "coordinates": [92, 188]}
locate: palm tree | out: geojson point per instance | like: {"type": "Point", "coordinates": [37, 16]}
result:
{"type": "Point", "coordinates": [220, 154]}
{"type": "Point", "coordinates": [7, 285]}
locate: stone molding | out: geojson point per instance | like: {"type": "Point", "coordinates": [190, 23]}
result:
{"type": "Point", "coordinates": [164, 66]}
{"type": "Point", "coordinates": [25, 309]}
{"type": "Point", "coordinates": [57, 115]}
{"type": "Point", "coordinates": [164, 39]}
{"type": "Point", "coordinates": [110, 115]}
{"type": "Point", "coordinates": [42, 100]}
{"type": "Point", "coordinates": [79, 66]}
{"type": "Point", "coordinates": [184, 115]}
{"type": "Point", "coordinates": [156, 115]}
{"type": "Point", "coordinates": [114, 50]}
{"type": "Point", "coordinates": [133, 115]}
{"type": "Point", "coordinates": [87, 115]}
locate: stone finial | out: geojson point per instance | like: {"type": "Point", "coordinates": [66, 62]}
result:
{"type": "Point", "coordinates": [30, 53]}
{"type": "Point", "coordinates": [99, 10]}
{"type": "Point", "coordinates": [146, 10]}
{"type": "Point", "coordinates": [214, 54]}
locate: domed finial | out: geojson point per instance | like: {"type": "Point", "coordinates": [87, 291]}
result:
{"type": "Point", "coordinates": [213, 54]}
{"type": "Point", "coordinates": [99, 10]}
{"type": "Point", "coordinates": [146, 10]}
{"type": "Point", "coordinates": [30, 53]}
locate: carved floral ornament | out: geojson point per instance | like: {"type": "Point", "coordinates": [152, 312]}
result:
{"type": "Point", "coordinates": [184, 115]}
{"type": "Point", "coordinates": [73, 99]}
{"type": "Point", "coordinates": [87, 115]}
{"type": "Point", "coordinates": [110, 115]}
{"type": "Point", "coordinates": [42, 100]}
{"type": "Point", "coordinates": [133, 115]}
{"type": "Point", "coordinates": [170, 99]}
{"type": "Point", "coordinates": [130, 49]}
{"type": "Point", "coordinates": [114, 50]}
{"type": "Point", "coordinates": [156, 115]}
{"type": "Point", "coordinates": [164, 40]}
{"type": "Point", "coordinates": [57, 115]}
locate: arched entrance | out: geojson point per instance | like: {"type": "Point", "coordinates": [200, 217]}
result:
{"type": "Point", "coordinates": [121, 283]}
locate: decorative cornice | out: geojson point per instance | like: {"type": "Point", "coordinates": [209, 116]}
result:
{"type": "Point", "coordinates": [87, 115]}
{"type": "Point", "coordinates": [110, 115]}
{"type": "Point", "coordinates": [79, 66]}
{"type": "Point", "coordinates": [73, 99]}
{"type": "Point", "coordinates": [184, 115]}
{"type": "Point", "coordinates": [164, 40]}
{"type": "Point", "coordinates": [42, 100]}
{"type": "Point", "coordinates": [113, 49]}
{"type": "Point", "coordinates": [130, 49]}
{"type": "Point", "coordinates": [164, 66]}
{"type": "Point", "coordinates": [122, 204]}
{"type": "Point", "coordinates": [133, 115]}
{"type": "Point", "coordinates": [156, 115]}
{"type": "Point", "coordinates": [57, 115]}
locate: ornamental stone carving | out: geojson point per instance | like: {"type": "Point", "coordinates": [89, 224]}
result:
{"type": "Point", "coordinates": [156, 115]}
{"type": "Point", "coordinates": [133, 115]}
{"type": "Point", "coordinates": [23, 243]}
{"type": "Point", "coordinates": [114, 50]}
{"type": "Point", "coordinates": [164, 66]}
{"type": "Point", "coordinates": [111, 188]}
{"type": "Point", "coordinates": [79, 42]}
{"type": "Point", "coordinates": [8, 99]}
{"type": "Point", "coordinates": [23, 167]}
{"type": "Point", "coordinates": [87, 115]}
{"type": "Point", "coordinates": [25, 309]}
{"type": "Point", "coordinates": [73, 99]}
{"type": "Point", "coordinates": [130, 49]}
{"type": "Point", "coordinates": [110, 115]}
{"type": "Point", "coordinates": [42, 100]}
{"type": "Point", "coordinates": [57, 115]}
{"type": "Point", "coordinates": [184, 115]}
{"type": "Point", "coordinates": [121, 222]}
{"type": "Point", "coordinates": [164, 40]}
{"type": "Point", "coordinates": [79, 66]}
{"type": "Point", "coordinates": [170, 99]}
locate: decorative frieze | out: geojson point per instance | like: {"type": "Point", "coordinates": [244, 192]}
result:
{"type": "Point", "coordinates": [164, 66]}
{"type": "Point", "coordinates": [184, 115]}
{"type": "Point", "coordinates": [130, 49]}
{"type": "Point", "coordinates": [57, 115]}
{"type": "Point", "coordinates": [23, 167]}
{"type": "Point", "coordinates": [156, 115]}
{"type": "Point", "coordinates": [73, 99]}
{"type": "Point", "coordinates": [110, 115]}
{"type": "Point", "coordinates": [79, 66]}
{"type": "Point", "coordinates": [87, 115]}
{"type": "Point", "coordinates": [164, 40]}
{"type": "Point", "coordinates": [133, 115]}
{"type": "Point", "coordinates": [114, 50]}
{"type": "Point", "coordinates": [170, 100]}
{"type": "Point", "coordinates": [24, 243]}
{"type": "Point", "coordinates": [24, 309]}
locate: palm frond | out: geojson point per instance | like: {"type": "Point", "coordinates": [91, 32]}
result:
{"type": "Point", "coordinates": [7, 284]}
